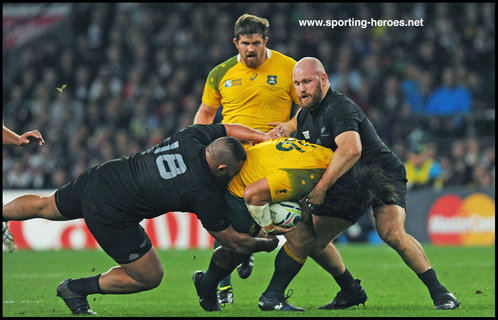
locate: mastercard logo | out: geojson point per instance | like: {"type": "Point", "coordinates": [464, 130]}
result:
{"type": "Point", "coordinates": [456, 221]}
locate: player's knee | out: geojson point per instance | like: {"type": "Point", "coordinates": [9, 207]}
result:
{"type": "Point", "coordinates": [152, 280]}
{"type": "Point", "coordinates": [302, 243]}
{"type": "Point", "coordinates": [392, 237]}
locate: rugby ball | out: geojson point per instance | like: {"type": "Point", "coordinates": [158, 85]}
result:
{"type": "Point", "coordinates": [285, 214]}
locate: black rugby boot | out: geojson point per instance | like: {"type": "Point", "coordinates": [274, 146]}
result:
{"type": "Point", "coordinates": [77, 303]}
{"type": "Point", "coordinates": [277, 304]}
{"type": "Point", "coordinates": [344, 300]}
{"type": "Point", "coordinates": [207, 298]}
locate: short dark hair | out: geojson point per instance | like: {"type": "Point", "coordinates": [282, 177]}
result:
{"type": "Point", "coordinates": [228, 150]}
{"type": "Point", "coordinates": [236, 148]}
{"type": "Point", "coordinates": [250, 24]}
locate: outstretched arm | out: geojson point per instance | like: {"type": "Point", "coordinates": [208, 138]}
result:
{"type": "Point", "coordinates": [243, 243]}
{"type": "Point", "coordinates": [11, 138]}
{"type": "Point", "coordinates": [246, 134]}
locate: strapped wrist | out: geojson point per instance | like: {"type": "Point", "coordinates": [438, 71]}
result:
{"type": "Point", "coordinates": [260, 214]}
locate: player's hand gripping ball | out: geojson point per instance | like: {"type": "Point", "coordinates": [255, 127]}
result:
{"type": "Point", "coordinates": [285, 214]}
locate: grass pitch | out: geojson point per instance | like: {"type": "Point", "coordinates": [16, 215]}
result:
{"type": "Point", "coordinates": [30, 279]}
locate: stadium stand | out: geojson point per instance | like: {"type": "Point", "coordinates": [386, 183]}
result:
{"type": "Point", "coordinates": [135, 74]}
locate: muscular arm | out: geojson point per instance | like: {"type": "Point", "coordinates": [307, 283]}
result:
{"type": "Point", "coordinates": [205, 114]}
{"type": "Point", "coordinates": [246, 134]}
{"type": "Point", "coordinates": [346, 155]}
{"type": "Point", "coordinates": [243, 243]}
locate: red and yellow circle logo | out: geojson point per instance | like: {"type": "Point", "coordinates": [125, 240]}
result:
{"type": "Point", "coordinates": [456, 221]}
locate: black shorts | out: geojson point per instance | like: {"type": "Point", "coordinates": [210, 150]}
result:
{"type": "Point", "coordinates": [121, 237]}
{"type": "Point", "coordinates": [364, 186]}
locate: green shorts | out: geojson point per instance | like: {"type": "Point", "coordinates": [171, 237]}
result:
{"type": "Point", "coordinates": [239, 216]}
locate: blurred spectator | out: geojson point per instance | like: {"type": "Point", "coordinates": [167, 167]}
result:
{"type": "Point", "coordinates": [422, 169]}
{"type": "Point", "coordinates": [133, 69]}
{"type": "Point", "coordinates": [461, 173]}
{"type": "Point", "coordinates": [416, 86]}
{"type": "Point", "coordinates": [451, 98]}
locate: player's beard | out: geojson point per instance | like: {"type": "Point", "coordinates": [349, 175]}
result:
{"type": "Point", "coordinates": [316, 98]}
{"type": "Point", "coordinates": [255, 60]}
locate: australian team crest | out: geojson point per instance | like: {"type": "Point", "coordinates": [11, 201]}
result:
{"type": "Point", "coordinates": [271, 80]}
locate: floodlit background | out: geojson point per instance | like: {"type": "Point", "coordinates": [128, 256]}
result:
{"type": "Point", "coordinates": [135, 74]}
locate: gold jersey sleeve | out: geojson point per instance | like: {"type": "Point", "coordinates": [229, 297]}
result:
{"type": "Point", "coordinates": [253, 97]}
{"type": "Point", "coordinates": [292, 168]}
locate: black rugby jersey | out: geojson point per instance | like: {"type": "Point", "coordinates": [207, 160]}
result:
{"type": "Point", "coordinates": [171, 176]}
{"type": "Point", "coordinates": [335, 115]}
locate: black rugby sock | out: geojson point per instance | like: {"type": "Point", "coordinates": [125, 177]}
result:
{"type": "Point", "coordinates": [429, 278]}
{"type": "Point", "coordinates": [287, 265]}
{"type": "Point", "coordinates": [213, 275]}
{"type": "Point", "coordinates": [345, 281]}
{"type": "Point", "coordinates": [85, 286]}
{"type": "Point", "coordinates": [227, 281]}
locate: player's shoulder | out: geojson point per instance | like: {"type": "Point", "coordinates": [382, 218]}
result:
{"type": "Point", "coordinates": [338, 100]}
{"type": "Point", "coordinates": [217, 73]}
{"type": "Point", "coordinates": [282, 58]}
{"type": "Point", "coordinates": [221, 69]}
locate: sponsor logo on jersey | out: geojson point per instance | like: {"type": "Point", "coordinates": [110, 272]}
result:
{"type": "Point", "coordinates": [253, 77]}
{"type": "Point", "coordinates": [456, 221]}
{"type": "Point", "coordinates": [271, 80]}
{"type": "Point", "coordinates": [232, 83]}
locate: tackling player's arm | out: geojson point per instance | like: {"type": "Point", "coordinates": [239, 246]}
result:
{"type": "Point", "coordinates": [246, 134]}
{"type": "Point", "coordinates": [243, 243]}
{"type": "Point", "coordinates": [348, 152]}
{"type": "Point", "coordinates": [257, 197]}
{"type": "Point", "coordinates": [284, 129]}
{"type": "Point", "coordinates": [205, 114]}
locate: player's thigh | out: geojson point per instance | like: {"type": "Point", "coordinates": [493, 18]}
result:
{"type": "Point", "coordinates": [72, 196]}
{"type": "Point", "coordinates": [118, 234]}
{"type": "Point", "coordinates": [327, 229]}
{"type": "Point", "coordinates": [48, 208]}
{"type": "Point", "coordinates": [301, 239]}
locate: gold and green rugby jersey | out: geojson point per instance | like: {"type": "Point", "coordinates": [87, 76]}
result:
{"type": "Point", "coordinates": [253, 97]}
{"type": "Point", "coordinates": [292, 168]}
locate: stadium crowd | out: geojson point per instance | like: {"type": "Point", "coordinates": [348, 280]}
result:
{"type": "Point", "coordinates": [135, 74]}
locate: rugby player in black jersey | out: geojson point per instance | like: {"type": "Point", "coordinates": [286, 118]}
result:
{"type": "Point", "coordinates": [330, 119]}
{"type": "Point", "coordinates": [188, 172]}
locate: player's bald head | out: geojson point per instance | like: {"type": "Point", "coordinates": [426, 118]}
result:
{"type": "Point", "coordinates": [311, 82]}
{"type": "Point", "coordinates": [226, 157]}
{"type": "Point", "coordinates": [309, 65]}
